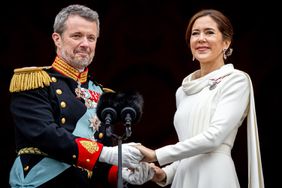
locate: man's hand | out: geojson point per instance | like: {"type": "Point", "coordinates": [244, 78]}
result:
{"type": "Point", "coordinates": [138, 176]}
{"type": "Point", "coordinates": [131, 156]}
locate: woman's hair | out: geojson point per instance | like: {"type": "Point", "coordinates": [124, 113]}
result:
{"type": "Point", "coordinates": [223, 23]}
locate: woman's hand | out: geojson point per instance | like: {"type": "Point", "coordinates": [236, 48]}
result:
{"type": "Point", "coordinates": [149, 154]}
{"type": "Point", "coordinates": [159, 174]}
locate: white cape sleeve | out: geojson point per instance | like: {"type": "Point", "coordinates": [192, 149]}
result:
{"type": "Point", "coordinates": [255, 173]}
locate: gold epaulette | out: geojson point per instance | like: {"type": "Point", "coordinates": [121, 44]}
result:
{"type": "Point", "coordinates": [108, 90]}
{"type": "Point", "coordinates": [29, 78]}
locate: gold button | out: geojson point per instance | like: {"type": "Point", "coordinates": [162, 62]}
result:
{"type": "Point", "coordinates": [101, 135]}
{"type": "Point", "coordinates": [88, 160]}
{"type": "Point", "coordinates": [63, 120]}
{"type": "Point", "coordinates": [26, 168]}
{"type": "Point", "coordinates": [54, 79]}
{"type": "Point", "coordinates": [74, 156]}
{"type": "Point", "coordinates": [59, 92]}
{"type": "Point", "coordinates": [63, 104]}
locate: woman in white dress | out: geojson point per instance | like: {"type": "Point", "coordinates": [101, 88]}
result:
{"type": "Point", "coordinates": [212, 103]}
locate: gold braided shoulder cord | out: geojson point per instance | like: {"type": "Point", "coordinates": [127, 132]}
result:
{"type": "Point", "coordinates": [31, 150]}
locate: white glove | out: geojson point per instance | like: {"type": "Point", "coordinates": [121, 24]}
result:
{"type": "Point", "coordinates": [131, 156]}
{"type": "Point", "coordinates": [138, 176]}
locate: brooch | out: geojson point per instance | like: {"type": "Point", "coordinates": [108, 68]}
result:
{"type": "Point", "coordinates": [213, 82]}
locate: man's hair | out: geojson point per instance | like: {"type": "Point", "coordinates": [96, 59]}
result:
{"type": "Point", "coordinates": [80, 10]}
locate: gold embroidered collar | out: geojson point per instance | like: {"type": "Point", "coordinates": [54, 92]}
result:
{"type": "Point", "coordinates": [67, 70]}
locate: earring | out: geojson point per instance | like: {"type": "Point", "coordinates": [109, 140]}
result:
{"type": "Point", "coordinates": [224, 54]}
{"type": "Point", "coordinates": [227, 52]}
{"type": "Point", "coordinates": [193, 58]}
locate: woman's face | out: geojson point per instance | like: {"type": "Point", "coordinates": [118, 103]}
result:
{"type": "Point", "coordinates": [206, 41]}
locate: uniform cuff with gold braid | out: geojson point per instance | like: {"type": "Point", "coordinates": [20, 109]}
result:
{"type": "Point", "coordinates": [88, 152]}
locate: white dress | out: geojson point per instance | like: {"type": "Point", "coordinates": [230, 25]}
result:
{"type": "Point", "coordinates": [209, 112]}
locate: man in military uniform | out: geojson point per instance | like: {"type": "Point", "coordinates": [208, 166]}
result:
{"type": "Point", "coordinates": [54, 109]}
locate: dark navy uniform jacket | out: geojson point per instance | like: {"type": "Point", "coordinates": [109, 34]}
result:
{"type": "Point", "coordinates": [58, 137]}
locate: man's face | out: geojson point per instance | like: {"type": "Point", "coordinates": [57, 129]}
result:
{"type": "Point", "coordinates": [76, 45]}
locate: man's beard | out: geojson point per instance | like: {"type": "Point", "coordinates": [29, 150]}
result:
{"type": "Point", "coordinates": [79, 64]}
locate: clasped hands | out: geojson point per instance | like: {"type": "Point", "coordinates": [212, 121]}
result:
{"type": "Point", "coordinates": [136, 166]}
